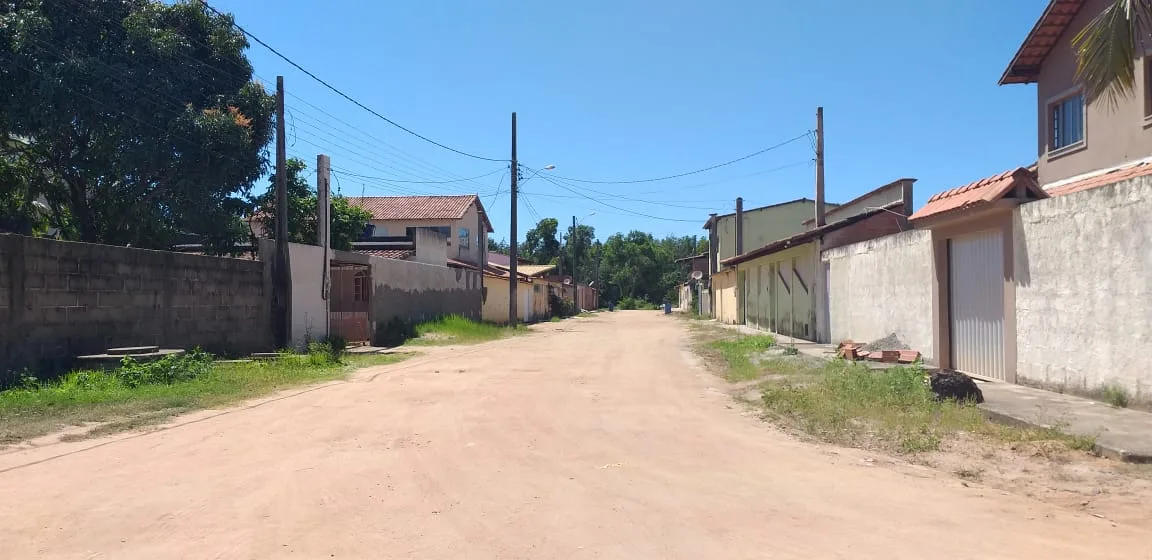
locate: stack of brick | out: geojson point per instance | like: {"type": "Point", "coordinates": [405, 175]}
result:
{"type": "Point", "coordinates": [852, 351]}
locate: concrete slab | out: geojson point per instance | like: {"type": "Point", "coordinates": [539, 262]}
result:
{"type": "Point", "coordinates": [1121, 434]}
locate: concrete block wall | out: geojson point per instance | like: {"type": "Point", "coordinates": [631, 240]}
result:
{"type": "Point", "coordinates": [1084, 290]}
{"type": "Point", "coordinates": [417, 292]}
{"type": "Point", "coordinates": [880, 287]}
{"type": "Point", "coordinates": [61, 299]}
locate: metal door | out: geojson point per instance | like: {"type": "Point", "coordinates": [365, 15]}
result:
{"type": "Point", "coordinates": [976, 303]}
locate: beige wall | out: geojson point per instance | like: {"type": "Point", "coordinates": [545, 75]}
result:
{"type": "Point", "coordinates": [1083, 294]}
{"type": "Point", "coordinates": [795, 309]}
{"type": "Point", "coordinates": [762, 227]}
{"type": "Point", "coordinates": [495, 309]}
{"type": "Point", "coordinates": [477, 240]}
{"type": "Point", "coordinates": [879, 198]}
{"type": "Point", "coordinates": [724, 296]}
{"type": "Point", "coordinates": [883, 286]}
{"type": "Point", "coordinates": [309, 321]}
{"type": "Point", "coordinates": [1113, 135]}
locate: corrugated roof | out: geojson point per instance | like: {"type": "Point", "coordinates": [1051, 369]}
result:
{"type": "Point", "coordinates": [528, 269]}
{"type": "Point", "coordinates": [1025, 66]}
{"type": "Point", "coordinates": [708, 224]}
{"type": "Point", "coordinates": [1107, 178]}
{"type": "Point", "coordinates": [989, 189]}
{"type": "Point", "coordinates": [399, 254]}
{"type": "Point", "coordinates": [420, 207]}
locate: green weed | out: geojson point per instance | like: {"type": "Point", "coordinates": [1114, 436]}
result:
{"type": "Point", "coordinates": [454, 329]}
{"type": "Point", "coordinates": [1115, 395]}
{"type": "Point", "coordinates": [737, 354]}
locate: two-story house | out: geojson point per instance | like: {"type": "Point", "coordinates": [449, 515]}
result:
{"type": "Point", "coordinates": [461, 219]}
{"type": "Point", "coordinates": [1077, 136]}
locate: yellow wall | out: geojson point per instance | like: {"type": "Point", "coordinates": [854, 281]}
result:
{"type": "Point", "coordinates": [724, 295]}
{"type": "Point", "coordinates": [762, 227]}
{"type": "Point", "coordinates": [495, 308]}
{"type": "Point", "coordinates": [763, 283]}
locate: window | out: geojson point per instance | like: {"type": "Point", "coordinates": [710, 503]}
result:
{"type": "Point", "coordinates": [446, 231]}
{"type": "Point", "coordinates": [1148, 87]}
{"type": "Point", "coordinates": [360, 287]}
{"type": "Point", "coordinates": [464, 238]}
{"type": "Point", "coordinates": [1067, 122]}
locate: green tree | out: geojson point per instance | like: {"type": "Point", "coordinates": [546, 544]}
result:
{"type": "Point", "coordinates": [635, 265]}
{"type": "Point", "coordinates": [142, 117]}
{"type": "Point", "coordinates": [348, 221]}
{"type": "Point", "coordinates": [577, 252]}
{"type": "Point", "coordinates": [1107, 48]}
{"type": "Point", "coordinates": [540, 244]}
{"type": "Point", "coordinates": [500, 246]}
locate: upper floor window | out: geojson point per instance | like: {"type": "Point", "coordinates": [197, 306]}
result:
{"type": "Point", "coordinates": [1148, 87]}
{"type": "Point", "coordinates": [464, 237]}
{"type": "Point", "coordinates": [446, 231]}
{"type": "Point", "coordinates": [1067, 122]}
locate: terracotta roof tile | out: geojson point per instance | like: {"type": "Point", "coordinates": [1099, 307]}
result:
{"type": "Point", "coordinates": [419, 207]}
{"type": "Point", "coordinates": [1115, 176]}
{"type": "Point", "coordinates": [399, 254]}
{"type": "Point", "coordinates": [1048, 31]}
{"type": "Point", "coordinates": [985, 190]}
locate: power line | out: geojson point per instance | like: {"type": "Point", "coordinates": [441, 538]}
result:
{"type": "Point", "coordinates": [341, 93]}
{"type": "Point", "coordinates": [602, 203]}
{"type": "Point", "coordinates": [687, 173]}
{"type": "Point", "coordinates": [489, 174]}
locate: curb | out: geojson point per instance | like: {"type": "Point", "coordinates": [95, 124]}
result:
{"type": "Point", "coordinates": [1102, 449]}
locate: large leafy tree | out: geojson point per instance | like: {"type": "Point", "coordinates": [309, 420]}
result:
{"type": "Point", "coordinates": [1107, 48]}
{"type": "Point", "coordinates": [578, 247]}
{"type": "Point", "coordinates": [142, 119]}
{"type": "Point", "coordinates": [540, 243]}
{"type": "Point", "coordinates": [348, 221]}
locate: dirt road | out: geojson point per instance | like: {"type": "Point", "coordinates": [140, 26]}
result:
{"type": "Point", "coordinates": [596, 438]}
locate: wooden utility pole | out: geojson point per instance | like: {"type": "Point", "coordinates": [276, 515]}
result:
{"type": "Point", "coordinates": [282, 282]}
{"type": "Point", "coordinates": [513, 280]}
{"type": "Point", "coordinates": [819, 166]}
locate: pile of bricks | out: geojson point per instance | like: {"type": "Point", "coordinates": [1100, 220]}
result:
{"type": "Point", "coordinates": [852, 351]}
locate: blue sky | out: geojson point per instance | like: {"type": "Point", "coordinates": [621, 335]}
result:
{"type": "Point", "coordinates": [633, 89]}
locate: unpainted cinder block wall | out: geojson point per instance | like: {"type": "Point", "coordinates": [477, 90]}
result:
{"type": "Point", "coordinates": [61, 299]}
{"type": "Point", "coordinates": [416, 292]}
{"type": "Point", "coordinates": [1083, 266]}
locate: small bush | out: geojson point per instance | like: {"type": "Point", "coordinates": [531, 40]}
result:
{"type": "Point", "coordinates": [1115, 395]}
{"type": "Point", "coordinates": [170, 369]}
{"type": "Point", "coordinates": [322, 354]}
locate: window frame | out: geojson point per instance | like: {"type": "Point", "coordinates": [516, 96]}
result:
{"type": "Point", "coordinates": [1146, 62]}
{"type": "Point", "coordinates": [464, 237]}
{"type": "Point", "coordinates": [1053, 103]}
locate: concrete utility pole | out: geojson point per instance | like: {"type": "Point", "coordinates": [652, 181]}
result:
{"type": "Point", "coordinates": [282, 282]}
{"type": "Point", "coordinates": [513, 280]}
{"type": "Point", "coordinates": [819, 166]}
{"type": "Point", "coordinates": [324, 231]}
{"type": "Point", "coordinates": [575, 280]}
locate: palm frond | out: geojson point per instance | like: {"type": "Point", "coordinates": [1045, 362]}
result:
{"type": "Point", "coordinates": [1106, 49]}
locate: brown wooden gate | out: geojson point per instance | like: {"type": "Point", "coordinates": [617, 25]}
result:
{"type": "Point", "coordinates": [351, 298]}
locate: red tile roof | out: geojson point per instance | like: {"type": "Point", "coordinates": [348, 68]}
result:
{"type": "Point", "coordinates": [420, 207]}
{"type": "Point", "coordinates": [1025, 66]}
{"type": "Point", "coordinates": [985, 190]}
{"type": "Point", "coordinates": [461, 264]}
{"type": "Point", "coordinates": [1114, 176]}
{"type": "Point", "coordinates": [399, 254]}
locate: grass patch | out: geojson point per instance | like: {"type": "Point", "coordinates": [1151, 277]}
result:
{"type": "Point", "coordinates": [737, 355]}
{"type": "Point", "coordinates": [1115, 395]}
{"type": "Point", "coordinates": [556, 319]}
{"type": "Point", "coordinates": [454, 329]}
{"type": "Point", "coordinates": [138, 394]}
{"type": "Point", "coordinates": [851, 404]}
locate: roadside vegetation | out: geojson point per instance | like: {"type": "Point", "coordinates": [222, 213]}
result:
{"type": "Point", "coordinates": [851, 404]}
{"type": "Point", "coordinates": [455, 329]}
{"type": "Point", "coordinates": [138, 394]}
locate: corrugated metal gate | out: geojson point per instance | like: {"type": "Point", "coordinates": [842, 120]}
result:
{"type": "Point", "coordinates": [976, 303]}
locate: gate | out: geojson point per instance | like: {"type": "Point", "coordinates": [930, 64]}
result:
{"type": "Point", "coordinates": [351, 297]}
{"type": "Point", "coordinates": [976, 303]}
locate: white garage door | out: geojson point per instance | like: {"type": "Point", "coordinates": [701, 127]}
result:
{"type": "Point", "coordinates": [976, 281]}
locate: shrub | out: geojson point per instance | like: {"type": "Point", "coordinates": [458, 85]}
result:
{"type": "Point", "coordinates": [170, 369]}
{"type": "Point", "coordinates": [1115, 395]}
{"type": "Point", "coordinates": [395, 332]}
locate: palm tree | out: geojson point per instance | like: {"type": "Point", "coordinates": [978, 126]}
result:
{"type": "Point", "coordinates": [1107, 48]}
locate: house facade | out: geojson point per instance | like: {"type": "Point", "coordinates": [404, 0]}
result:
{"type": "Point", "coordinates": [1075, 135]}
{"type": "Point", "coordinates": [461, 219]}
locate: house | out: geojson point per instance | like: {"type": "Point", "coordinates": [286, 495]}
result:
{"type": "Point", "coordinates": [729, 234]}
{"type": "Point", "coordinates": [1077, 136]}
{"type": "Point", "coordinates": [461, 219]}
{"type": "Point", "coordinates": [689, 290]}
{"type": "Point", "coordinates": [781, 286]}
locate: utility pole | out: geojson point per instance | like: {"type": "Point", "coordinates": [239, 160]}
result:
{"type": "Point", "coordinates": [324, 232]}
{"type": "Point", "coordinates": [819, 166]}
{"type": "Point", "coordinates": [282, 283]}
{"type": "Point", "coordinates": [513, 280]}
{"type": "Point", "coordinates": [575, 280]}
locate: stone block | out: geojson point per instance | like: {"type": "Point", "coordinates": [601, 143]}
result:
{"type": "Point", "coordinates": [54, 315]}
{"type": "Point", "coordinates": [55, 282]}
{"type": "Point", "coordinates": [105, 283]}
{"type": "Point", "coordinates": [114, 299]}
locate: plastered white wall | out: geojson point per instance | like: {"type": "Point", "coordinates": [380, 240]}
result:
{"type": "Point", "coordinates": [1084, 288]}
{"type": "Point", "coordinates": [883, 286]}
{"type": "Point", "coordinates": [309, 308]}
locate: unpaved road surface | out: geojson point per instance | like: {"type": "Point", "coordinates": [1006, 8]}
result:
{"type": "Point", "coordinates": [594, 438]}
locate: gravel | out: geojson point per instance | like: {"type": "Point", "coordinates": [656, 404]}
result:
{"type": "Point", "coordinates": [890, 342]}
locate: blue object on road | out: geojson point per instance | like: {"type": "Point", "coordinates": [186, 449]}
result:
{"type": "Point", "coordinates": [667, 308]}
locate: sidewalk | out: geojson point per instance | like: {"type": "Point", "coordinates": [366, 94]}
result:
{"type": "Point", "coordinates": [1121, 434]}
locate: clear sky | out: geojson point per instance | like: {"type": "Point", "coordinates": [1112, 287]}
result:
{"type": "Point", "coordinates": [633, 89]}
